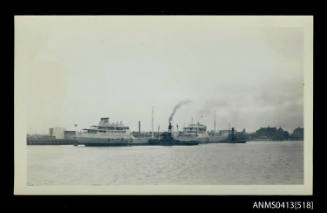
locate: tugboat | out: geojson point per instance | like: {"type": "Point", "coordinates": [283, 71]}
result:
{"type": "Point", "coordinates": [166, 139]}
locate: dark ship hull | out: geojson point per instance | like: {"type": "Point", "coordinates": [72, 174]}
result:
{"type": "Point", "coordinates": [102, 142]}
{"type": "Point", "coordinates": [172, 142]}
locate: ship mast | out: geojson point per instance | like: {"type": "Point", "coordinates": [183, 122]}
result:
{"type": "Point", "coordinates": [214, 123]}
{"type": "Point", "coordinates": [152, 123]}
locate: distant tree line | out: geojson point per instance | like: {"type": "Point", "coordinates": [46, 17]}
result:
{"type": "Point", "coordinates": [276, 134]}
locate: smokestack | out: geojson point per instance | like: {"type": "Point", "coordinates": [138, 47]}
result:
{"type": "Point", "coordinates": [170, 127]}
{"type": "Point", "coordinates": [51, 131]}
{"type": "Point", "coordinates": [139, 127]}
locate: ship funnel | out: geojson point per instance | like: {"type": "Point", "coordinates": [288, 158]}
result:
{"type": "Point", "coordinates": [170, 127]}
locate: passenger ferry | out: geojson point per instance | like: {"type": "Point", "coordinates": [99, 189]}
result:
{"type": "Point", "coordinates": [105, 134]}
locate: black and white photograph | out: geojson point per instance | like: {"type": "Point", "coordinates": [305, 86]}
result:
{"type": "Point", "coordinates": [163, 105]}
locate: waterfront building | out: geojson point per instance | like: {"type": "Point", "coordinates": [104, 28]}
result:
{"type": "Point", "coordinates": [57, 132]}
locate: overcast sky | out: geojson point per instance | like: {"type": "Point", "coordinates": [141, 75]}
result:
{"type": "Point", "coordinates": [78, 69]}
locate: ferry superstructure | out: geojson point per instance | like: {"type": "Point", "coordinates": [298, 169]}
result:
{"type": "Point", "coordinates": [105, 134]}
{"type": "Point", "coordinates": [197, 132]}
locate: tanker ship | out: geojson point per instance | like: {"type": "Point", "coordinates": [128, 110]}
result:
{"type": "Point", "coordinates": [198, 132]}
{"type": "Point", "coordinates": [194, 132]}
{"type": "Point", "coordinates": [228, 136]}
{"type": "Point", "coordinates": [234, 137]}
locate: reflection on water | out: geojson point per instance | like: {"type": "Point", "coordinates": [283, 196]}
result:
{"type": "Point", "coordinates": [250, 163]}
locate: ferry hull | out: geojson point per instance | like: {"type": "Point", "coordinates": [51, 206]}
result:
{"type": "Point", "coordinates": [103, 141]}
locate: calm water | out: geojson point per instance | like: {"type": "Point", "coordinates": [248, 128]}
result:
{"type": "Point", "coordinates": [250, 163]}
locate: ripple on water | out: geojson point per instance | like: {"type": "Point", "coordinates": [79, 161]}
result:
{"type": "Point", "coordinates": [250, 163]}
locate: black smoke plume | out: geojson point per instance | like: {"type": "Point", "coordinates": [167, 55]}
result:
{"type": "Point", "coordinates": [177, 107]}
